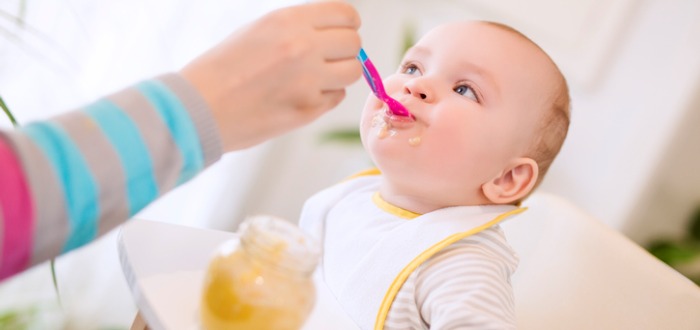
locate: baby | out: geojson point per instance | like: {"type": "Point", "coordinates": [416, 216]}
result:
{"type": "Point", "coordinates": [416, 244]}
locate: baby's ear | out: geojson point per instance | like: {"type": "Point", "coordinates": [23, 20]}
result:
{"type": "Point", "coordinates": [514, 183]}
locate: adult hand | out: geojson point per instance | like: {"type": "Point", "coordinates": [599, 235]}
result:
{"type": "Point", "coordinates": [279, 72]}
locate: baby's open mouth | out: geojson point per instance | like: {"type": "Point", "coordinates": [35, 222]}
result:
{"type": "Point", "coordinates": [397, 121]}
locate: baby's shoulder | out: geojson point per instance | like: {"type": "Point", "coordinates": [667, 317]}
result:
{"type": "Point", "coordinates": [485, 250]}
{"type": "Point", "coordinates": [471, 275]}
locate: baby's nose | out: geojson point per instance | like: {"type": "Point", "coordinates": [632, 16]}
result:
{"type": "Point", "coordinates": [419, 89]}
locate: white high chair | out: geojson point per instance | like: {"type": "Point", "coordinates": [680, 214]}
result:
{"type": "Point", "coordinates": [576, 273]}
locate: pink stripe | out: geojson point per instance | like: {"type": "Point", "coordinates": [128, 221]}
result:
{"type": "Point", "coordinates": [17, 213]}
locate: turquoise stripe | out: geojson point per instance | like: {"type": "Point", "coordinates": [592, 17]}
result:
{"type": "Point", "coordinates": [125, 137]}
{"type": "Point", "coordinates": [77, 182]}
{"type": "Point", "coordinates": [181, 127]}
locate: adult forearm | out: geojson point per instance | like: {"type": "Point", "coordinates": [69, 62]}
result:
{"type": "Point", "coordinates": [87, 171]}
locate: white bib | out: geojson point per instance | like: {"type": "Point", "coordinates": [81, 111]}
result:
{"type": "Point", "coordinates": [368, 291]}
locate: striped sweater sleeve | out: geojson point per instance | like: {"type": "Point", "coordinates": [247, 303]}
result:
{"type": "Point", "coordinates": [65, 181]}
{"type": "Point", "coordinates": [464, 286]}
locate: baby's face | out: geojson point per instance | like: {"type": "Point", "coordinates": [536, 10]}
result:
{"type": "Point", "coordinates": [477, 92]}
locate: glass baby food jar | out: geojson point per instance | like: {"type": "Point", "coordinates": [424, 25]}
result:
{"type": "Point", "coordinates": [263, 280]}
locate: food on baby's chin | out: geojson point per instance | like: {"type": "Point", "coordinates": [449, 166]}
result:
{"type": "Point", "coordinates": [414, 141]}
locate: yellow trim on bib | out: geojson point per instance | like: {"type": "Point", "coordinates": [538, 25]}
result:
{"type": "Point", "coordinates": [425, 255]}
{"type": "Point", "coordinates": [393, 209]}
{"type": "Point", "coordinates": [368, 172]}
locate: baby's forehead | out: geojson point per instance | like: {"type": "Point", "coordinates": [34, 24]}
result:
{"type": "Point", "coordinates": [494, 40]}
{"type": "Point", "coordinates": [510, 57]}
{"type": "Point", "coordinates": [484, 43]}
{"type": "Point", "coordinates": [493, 31]}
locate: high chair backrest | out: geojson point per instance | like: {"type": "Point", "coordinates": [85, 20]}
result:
{"type": "Point", "coordinates": [577, 273]}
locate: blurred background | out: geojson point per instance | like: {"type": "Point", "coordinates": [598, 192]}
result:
{"type": "Point", "coordinates": [631, 158]}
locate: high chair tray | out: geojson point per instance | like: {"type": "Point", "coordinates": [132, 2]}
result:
{"type": "Point", "coordinates": [164, 266]}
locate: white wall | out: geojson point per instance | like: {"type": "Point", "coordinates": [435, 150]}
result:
{"type": "Point", "coordinates": [621, 130]}
{"type": "Point", "coordinates": [673, 192]}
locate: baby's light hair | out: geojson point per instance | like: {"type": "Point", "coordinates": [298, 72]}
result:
{"type": "Point", "coordinates": [555, 121]}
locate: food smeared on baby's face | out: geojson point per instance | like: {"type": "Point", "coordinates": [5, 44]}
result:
{"type": "Point", "coordinates": [387, 124]}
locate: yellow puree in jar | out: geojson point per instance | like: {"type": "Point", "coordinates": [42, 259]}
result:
{"type": "Point", "coordinates": [242, 293]}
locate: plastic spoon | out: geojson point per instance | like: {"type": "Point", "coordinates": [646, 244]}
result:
{"type": "Point", "coordinates": [375, 83]}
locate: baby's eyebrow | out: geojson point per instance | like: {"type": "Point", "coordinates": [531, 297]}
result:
{"type": "Point", "coordinates": [418, 51]}
{"type": "Point", "coordinates": [486, 79]}
{"type": "Point", "coordinates": [484, 74]}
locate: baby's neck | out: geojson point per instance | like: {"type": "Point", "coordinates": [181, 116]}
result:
{"type": "Point", "coordinates": [422, 202]}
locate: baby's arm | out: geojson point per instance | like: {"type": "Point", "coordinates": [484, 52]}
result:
{"type": "Point", "coordinates": [467, 285]}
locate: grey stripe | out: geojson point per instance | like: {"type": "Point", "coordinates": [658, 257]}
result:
{"type": "Point", "coordinates": [200, 114]}
{"type": "Point", "coordinates": [404, 323]}
{"type": "Point", "coordinates": [404, 317]}
{"type": "Point", "coordinates": [461, 264]}
{"type": "Point", "coordinates": [51, 226]}
{"type": "Point", "coordinates": [455, 263]}
{"type": "Point", "coordinates": [496, 242]}
{"type": "Point", "coordinates": [490, 249]}
{"type": "Point", "coordinates": [440, 275]}
{"type": "Point", "coordinates": [483, 246]}
{"type": "Point", "coordinates": [456, 316]}
{"type": "Point", "coordinates": [487, 297]}
{"type": "Point", "coordinates": [165, 155]}
{"type": "Point", "coordinates": [403, 314]}
{"type": "Point", "coordinates": [476, 317]}
{"type": "Point", "coordinates": [486, 281]}
{"type": "Point", "coordinates": [105, 167]}
{"type": "Point", "coordinates": [403, 299]}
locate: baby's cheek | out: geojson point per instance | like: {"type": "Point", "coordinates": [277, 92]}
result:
{"type": "Point", "coordinates": [370, 102]}
{"type": "Point", "coordinates": [372, 105]}
{"type": "Point", "coordinates": [392, 84]}
{"type": "Point", "coordinates": [365, 127]}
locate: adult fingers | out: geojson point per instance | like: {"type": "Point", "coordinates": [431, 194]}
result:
{"type": "Point", "coordinates": [330, 14]}
{"type": "Point", "coordinates": [339, 74]}
{"type": "Point", "coordinates": [339, 44]}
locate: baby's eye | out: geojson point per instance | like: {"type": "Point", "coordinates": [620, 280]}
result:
{"type": "Point", "coordinates": [466, 91]}
{"type": "Point", "coordinates": [409, 69]}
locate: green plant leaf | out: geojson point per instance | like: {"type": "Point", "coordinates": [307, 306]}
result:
{"type": "Point", "coordinates": [349, 136]}
{"type": "Point", "coordinates": [22, 12]}
{"type": "Point", "coordinates": [8, 113]}
{"type": "Point", "coordinates": [675, 253]}
{"type": "Point", "coordinates": [17, 319]}
{"type": "Point", "coordinates": [694, 225]}
{"type": "Point", "coordinates": [408, 38]}
{"type": "Point", "coordinates": [55, 281]}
